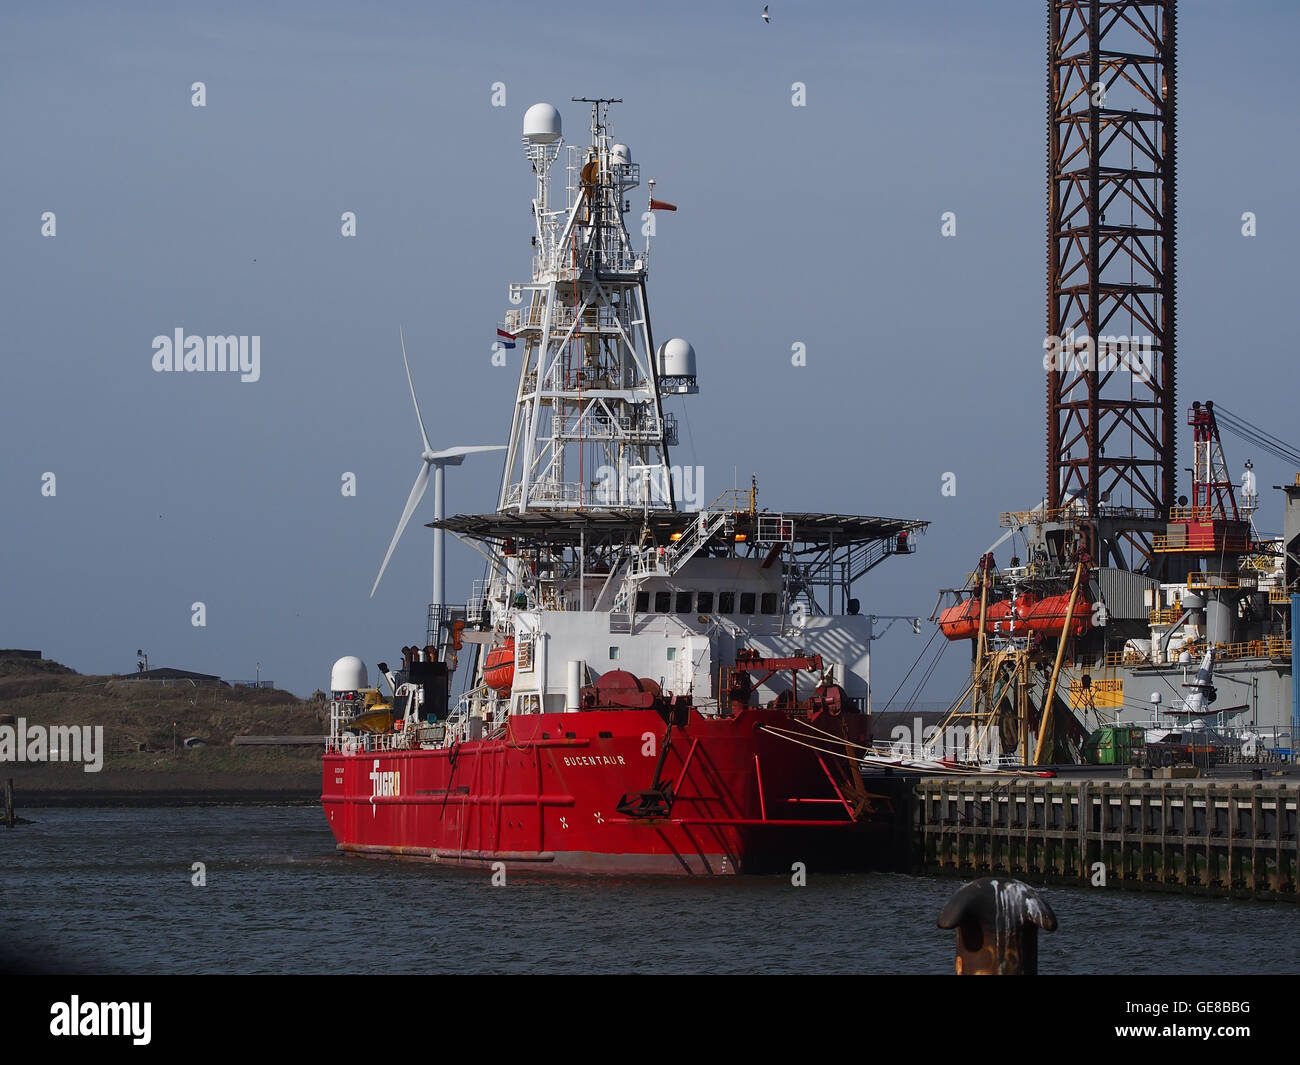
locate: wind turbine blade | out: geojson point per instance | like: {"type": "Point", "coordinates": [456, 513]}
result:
{"type": "Point", "coordinates": [405, 362]}
{"type": "Point", "coordinates": [412, 501]}
{"type": "Point", "coordinates": [455, 452]}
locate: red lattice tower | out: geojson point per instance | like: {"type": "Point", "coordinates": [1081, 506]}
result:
{"type": "Point", "coordinates": [1110, 263]}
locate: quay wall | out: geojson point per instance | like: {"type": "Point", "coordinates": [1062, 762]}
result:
{"type": "Point", "coordinates": [1212, 837]}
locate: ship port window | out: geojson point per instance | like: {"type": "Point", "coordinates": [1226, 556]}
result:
{"type": "Point", "coordinates": [684, 602]}
{"type": "Point", "coordinates": [613, 654]}
{"type": "Point", "coordinates": [672, 654]}
{"type": "Point", "coordinates": [663, 602]}
{"type": "Point", "coordinates": [705, 603]}
{"type": "Point", "coordinates": [767, 604]}
{"type": "Point", "coordinates": [642, 602]}
{"type": "Point", "coordinates": [726, 602]}
{"type": "Point", "coordinates": [747, 602]}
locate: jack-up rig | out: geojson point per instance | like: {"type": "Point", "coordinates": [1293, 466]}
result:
{"type": "Point", "coordinates": [1118, 586]}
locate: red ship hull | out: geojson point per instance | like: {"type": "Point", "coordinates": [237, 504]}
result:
{"type": "Point", "coordinates": [545, 797]}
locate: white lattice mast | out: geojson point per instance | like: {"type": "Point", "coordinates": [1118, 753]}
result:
{"type": "Point", "coordinates": [589, 429]}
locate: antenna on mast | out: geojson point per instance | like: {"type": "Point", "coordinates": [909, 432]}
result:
{"type": "Point", "coordinates": [649, 230]}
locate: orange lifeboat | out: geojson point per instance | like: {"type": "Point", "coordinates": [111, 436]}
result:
{"type": "Point", "coordinates": [499, 667]}
{"type": "Point", "coordinates": [961, 622]}
{"type": "Point", "coordinates": [1048, 615]}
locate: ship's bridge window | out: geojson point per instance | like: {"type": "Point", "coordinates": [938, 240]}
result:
{"type": "Point", "coordinates": [705, 603]}
{"type": "Point", "coordinates": [726, 602]}
{"type": "Point", "coordinates": [747, 602]}
{"type": "Point", "coordinates": [663, 602]}
{"type": "Point", "coordinates": [684, 602]}
{"type": "Point", "coordinates": [642, 602]}
{"type": "Point", "coordinates": [767, 604]}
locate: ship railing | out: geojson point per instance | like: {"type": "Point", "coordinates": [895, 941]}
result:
{"type": "Point", "coordinates": [1014, 519]}
{"type": "Point", "coordinates": [1127, 657]}
{"type": "Point", "coordinates": [1206, 580]}
{"type": "Point", "coordinates": [458, 719]}
{"type": "Point", "coordinates": [697, 534]}
{"type": "Point", "coordinates": [1133, 513]}
{"type": "Point", "coordinates": [560, 493]}
{"type": "Point", "coordinates": [912, 752]}
{"type": "Point", "coordinates": [481, 698]}
{"type": "Point", "coordinates": [562, 318]}
{"type": "Point", "coordinates": [735, 500]}
{"type": "Point", "coordinates": [1201, 513]}
{"type": "Point", "coordinates": [1275, 647]}
{"type": "Point", "coordinates": [596, 425]}
{"type": "Point", "coordinates": [365, 742]}
{"type": "Point", "coordinates": [1027, 572]}
{"type": "Point", "coordinates": [775, 529]}
{"type": "Point", "coordinates": [1266, 562]}
{"type": "Point", "coordinates": [616, 260]}
{"type": "Point", "coordinates": [478, 608]}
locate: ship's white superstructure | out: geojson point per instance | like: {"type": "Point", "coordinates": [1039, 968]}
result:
{"type": "Point", "coordinates": [593, 565]}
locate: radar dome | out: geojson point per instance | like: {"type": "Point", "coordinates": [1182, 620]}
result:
{"type": "Point", "coordinates": [542, 124]}
{"type": "Point", "coordinates": [348, 675]}
{"type": "Point", "coordinates": [676, 358]}
{"type": "Point", "coordinates": [620, 154]}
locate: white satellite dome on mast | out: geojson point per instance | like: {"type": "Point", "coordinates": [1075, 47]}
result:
{"type": "Point", "coordinates": [675, 362]}
{"type": "Point", "coordinates": [620, 154]}
{"type": "Point", "coordinates": [348, 675]}
{"type": "Point", "coordinates": [542, 124]}
{"type": "Point", "coordinates": [676, 358]}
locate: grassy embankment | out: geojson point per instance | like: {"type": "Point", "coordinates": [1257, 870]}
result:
{"type": "Point", "coordinates": [144, 756]}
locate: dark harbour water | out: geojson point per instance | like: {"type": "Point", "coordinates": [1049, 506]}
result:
{"type": "Point", "coordinates": [109, 891]}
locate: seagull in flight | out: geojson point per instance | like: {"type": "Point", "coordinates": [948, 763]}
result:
{"type": "Point", "coordinates": [766, 17]}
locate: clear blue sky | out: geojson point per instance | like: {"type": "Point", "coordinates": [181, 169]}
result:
{"type": "Point", "coordinates": [817, 225]}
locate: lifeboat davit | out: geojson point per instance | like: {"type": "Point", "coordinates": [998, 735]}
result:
{"type": "Point", "coordinates": [499, 667]}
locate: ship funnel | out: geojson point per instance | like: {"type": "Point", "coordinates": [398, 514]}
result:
{"type": "Point", "coordinates": [542, 125]}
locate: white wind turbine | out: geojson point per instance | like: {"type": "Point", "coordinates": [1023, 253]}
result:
{"type": "Point", "coordinates": [438, 461]}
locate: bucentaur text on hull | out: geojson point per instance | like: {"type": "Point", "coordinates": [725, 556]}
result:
{"type": "Point", "coordinates": [654, 689]}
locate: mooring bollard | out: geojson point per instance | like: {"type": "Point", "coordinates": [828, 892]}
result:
{"type": "Point", "coordinates": [997, 922]}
